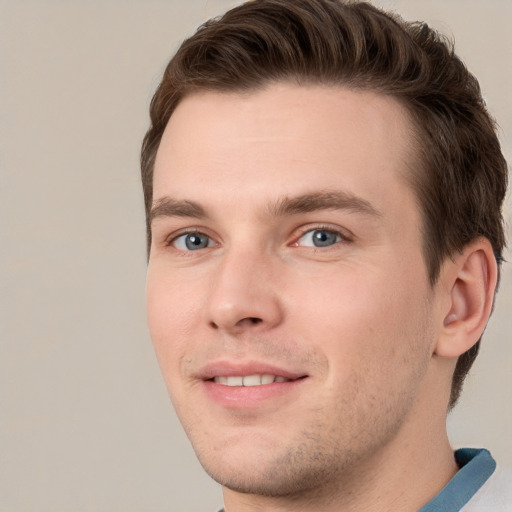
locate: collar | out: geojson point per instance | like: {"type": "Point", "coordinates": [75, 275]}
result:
{"type": "Point", "coordinates": [476, 466]}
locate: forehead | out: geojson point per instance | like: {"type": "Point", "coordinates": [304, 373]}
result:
{"type": "Point", "coordinates": [284, 139]}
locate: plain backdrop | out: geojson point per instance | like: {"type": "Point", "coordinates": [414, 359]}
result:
{"type": "Point", "coordinates": [85, 421]}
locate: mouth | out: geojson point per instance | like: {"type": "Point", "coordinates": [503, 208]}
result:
{"type": "Point", "coordinates": [250, 385]}
{"type": "Point", "coordinates": [250, 380]}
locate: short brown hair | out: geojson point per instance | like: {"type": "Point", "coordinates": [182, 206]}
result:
{"type": "Point", "coordinates": [461, 175]}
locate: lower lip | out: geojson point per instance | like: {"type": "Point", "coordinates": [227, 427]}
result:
{"type": "Point", "coordinates": [241, 397]}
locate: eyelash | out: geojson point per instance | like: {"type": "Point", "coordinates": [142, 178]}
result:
{"type": "Point", "coordinates": [343, 237]}
{"type": "Point", "coordinates": [171, 240]}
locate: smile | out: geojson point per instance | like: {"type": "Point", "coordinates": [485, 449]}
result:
{"type": "Point", "coordinates": [249, 380]}
{"type": "Point", "coordinates": [249, 386]}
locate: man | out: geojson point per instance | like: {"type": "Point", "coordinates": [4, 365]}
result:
{"type": "Point", "coordinates": [323, 190]}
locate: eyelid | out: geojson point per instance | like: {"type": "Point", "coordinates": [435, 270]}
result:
{"type": "Point", "coordinates": [192, 230]}
{"type": "Point", "coordinates": [345, 235]}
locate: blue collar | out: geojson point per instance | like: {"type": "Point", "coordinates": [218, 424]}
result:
{"type": "Point", "coordinates": [476, 466]}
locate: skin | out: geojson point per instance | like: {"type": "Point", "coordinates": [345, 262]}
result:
{"type": "Point", "coordinates": [364, 427]}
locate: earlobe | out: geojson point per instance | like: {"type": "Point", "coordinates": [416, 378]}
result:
{"type": "Point", "coordinates": [470, 279]}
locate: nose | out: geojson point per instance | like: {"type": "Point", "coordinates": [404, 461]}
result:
{"type": "Point", "coordinates": [244, 296]}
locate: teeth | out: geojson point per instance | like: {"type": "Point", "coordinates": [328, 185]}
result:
{"type": "Point", "coordinates": [252, 380]}
{"type": "Point", "coordinates": [249, 380]}
{"type": "Point", "coordinates": [235, 381]}
{"type": "Point", "coordinates": [267, 379]}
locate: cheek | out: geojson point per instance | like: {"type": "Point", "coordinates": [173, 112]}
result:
{"type": "Point", "coordinates": [171, 318]}
{"type": "Point", "coordinates": [345, 302]}
{"type": "Point", "coordinates": [363, 320]}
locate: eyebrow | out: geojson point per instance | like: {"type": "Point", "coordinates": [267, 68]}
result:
{"type": "Point", "coordinates": [305, 203]}
{"type": "Point", "coordinates": [169, 207]}
{"type": "Point", "coordinates": [328, 200]}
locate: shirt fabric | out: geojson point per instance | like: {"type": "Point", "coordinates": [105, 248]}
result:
{"type": "Point", "coordinates": [472, 489]}
{"type": "Point", "coordinates": [476, 466]}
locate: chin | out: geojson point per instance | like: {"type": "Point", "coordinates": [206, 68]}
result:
{"type": "Point", "coordinates": [271, 472]}
{"type": "Point", "coordinates": [277, 481]}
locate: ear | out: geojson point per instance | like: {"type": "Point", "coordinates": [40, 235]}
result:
{"type": "Point", "coordinates": [470, 280]}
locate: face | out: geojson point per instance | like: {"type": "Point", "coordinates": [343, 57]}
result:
{"type": "Point", "coordinates": [288, 299]}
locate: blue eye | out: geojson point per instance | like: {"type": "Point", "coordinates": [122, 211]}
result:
{"type": "Point", "coordinates": [192, 242]}
{"type": "Point", "coordinates": [319, 238]}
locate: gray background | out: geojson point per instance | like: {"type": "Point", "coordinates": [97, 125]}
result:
{"type": "Point", "coordinates": [85, 421]}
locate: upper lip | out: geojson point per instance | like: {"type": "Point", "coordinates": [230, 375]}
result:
{"type": "Point", "coordinates": [235, 369]}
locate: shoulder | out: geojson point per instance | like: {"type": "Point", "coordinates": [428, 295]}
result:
{"type": "Point", "coordinates": [495, 494]}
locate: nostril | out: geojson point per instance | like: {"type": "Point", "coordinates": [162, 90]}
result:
{"type": "Point", "coordinates": [243, 323]}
